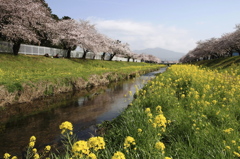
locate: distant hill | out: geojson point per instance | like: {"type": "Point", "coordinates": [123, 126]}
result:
{"type": "Point", "coordinates": [163, 54]}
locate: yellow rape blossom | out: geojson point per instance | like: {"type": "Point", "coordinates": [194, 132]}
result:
{"type": "Point", "coordinates": [66, 126]}
{"type": "Point", "coordinates": [32, 139]}
{"type": "Point", "coordinates": [236, 154]}
{"type": "Point", "coordinates": [160, 120]}
{"type": "Point", "coordinates": [31, 144]}
{"type": "Point", "coordinates": [160, 146]}
{"type": "Point", "coordinates": [228, 147]}
{"type": "Point", "coordinates": [214, 101]}
{"type": "Point", "coordinates": [6, 155]}
{"type": "Point", "coordinates": [228, 131]}
{"type": "Point", "coordinates": [149, 115]}
{"type": "Point", "coordinates": [34, 150]}
{"type": "Point", "coordinates": [80, 148]}
{"type": "Point", "coordinates": [159, 109]}
{"type": "Point", "coordinates": [118, 155]}
{"type": "Point", "coordinates": [128, 142]}
{"type": "Point", "coordinates": [139, 130]}
{"type": "Point", "coordinates": [47, 148]}
{"type": "Point", "coordinates": [96, 143]}
{"type": "Point", "coordinates": [36, 156]}
{"type": "Point", "coordinates": [234, 142]}
{"type": "Point", "coordinates": [92, 156]}
{"type": "Point", "coordinates": [147, 110]}
{"type": "Point", "coordinates": [154, 125]}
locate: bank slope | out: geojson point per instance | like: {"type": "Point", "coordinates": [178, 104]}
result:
{"type": "Point", "coordinates": [24, 78]}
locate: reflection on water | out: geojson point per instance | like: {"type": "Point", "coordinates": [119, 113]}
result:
{"type": "Point", "coordinates": [84, 109]}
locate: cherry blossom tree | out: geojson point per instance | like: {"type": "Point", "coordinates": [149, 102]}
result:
{"type": "Point", "coordinates": [134, 56]}
{"type": "Point", "coordinates": [67, 34]}
{"type": "Point", "coordinates": [215, 47]}
{"type": "Point", "coordinates": [118, 48]}
{"type": "Point", "coordinates": [89, 38]}
{"type": "Point", "coordinates": [23, 21]}
{"type": "Point", "coordinates": [102, 44]}
{"type": "Point", "coordinates": [148, 58]}
{"type": "Point", "coordinates": [233, 40]}
{"type": "Point", "coordinates": [142, 57]}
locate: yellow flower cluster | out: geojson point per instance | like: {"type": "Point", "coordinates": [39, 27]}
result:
{"type": "Point", "coordinates": [128, 142]}
{"type": "Point", "coordinates": [32, 141]}
{"type": "Point", "coordinates": [160, 146]}
{"type": "Point", "coordinates": [160, 121]}
{"type": "Point", "coordinates": [228, 131]}
{"type": "Point", "coordinates": [80, 148]}
{"type": "Point", "coordinates": [159, 109]}
{"type": "Point", "coordinates": [147, 110]}
{"type": "Point", "coordinates": [118, 155]}
{"type": "Point", "coordinates": [66, 127]}
{"type": "Point", "coordinates": [96, 143]}
{"type": "Point", "coordinates": [139, 130]}
{"type": "Point", "coordinates": [7, 156]}
{"type": "Point", "coordinates": [83, 148]}
{"type": "Point", "coordinates": [47, 148]}
{"type": "Point", "coordinates": [236, 154]}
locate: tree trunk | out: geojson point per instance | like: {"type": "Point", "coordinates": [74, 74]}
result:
{"type": "Point", "coordinates": [69, 53]}
{"type": "Point", "coordinates": [16, 47]}
{"type": "Point", "coordinates": [103, 56]}
{"type": "Point", "coordinates": [128, 59]}
{"type": "Point", "coordinates": [111, 56]}
{"type": "Point", "coordinates": [94, 56]}
{"type": "Point", "coordinates": [84, 54]}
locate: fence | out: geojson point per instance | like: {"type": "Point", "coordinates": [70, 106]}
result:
{"type": "Point", "coordinates": [41, 50]}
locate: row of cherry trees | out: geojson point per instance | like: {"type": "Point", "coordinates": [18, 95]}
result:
{"type": "Point", "coordinates": [31, 21]}
{"type": "Point", "coordinates": [213, 48]}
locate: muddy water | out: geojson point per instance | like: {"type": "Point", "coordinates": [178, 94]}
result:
{"type": "Point", "coordinates": [84, 109]}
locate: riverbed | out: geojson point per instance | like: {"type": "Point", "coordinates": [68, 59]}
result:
{"type": "Point", "coordinates": [83, 109]}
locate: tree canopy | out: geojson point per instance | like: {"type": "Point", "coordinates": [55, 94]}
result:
{"type": "Point", "coordinates": [32, 21]}
{"type": "Point", "coordinates": [213, 48]}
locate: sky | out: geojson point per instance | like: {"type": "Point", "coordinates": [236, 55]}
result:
{"type": "Point", "coordinates": [174, 25]}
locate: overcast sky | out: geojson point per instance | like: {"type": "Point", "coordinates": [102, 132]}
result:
{"type": "Point", "coordinates": [169, 24]}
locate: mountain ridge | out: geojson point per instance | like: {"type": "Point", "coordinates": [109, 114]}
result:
{"type": "Point", "coordinates": [163, 54]}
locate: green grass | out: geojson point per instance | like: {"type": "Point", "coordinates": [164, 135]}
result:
{"type": "Point", "coordinates": [15, 70]}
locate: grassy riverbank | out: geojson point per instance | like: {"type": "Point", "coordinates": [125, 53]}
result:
{"type": "Point", "coordinates": [186, 112]}
{"type": "Point", "coordinates": [221, 63]}
{"type": "Point", "coordinates": [199, 118]}
{"type": "Point", "coordinates": [24, 78]}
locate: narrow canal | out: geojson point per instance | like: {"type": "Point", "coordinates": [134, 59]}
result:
{"type": "Point", "coordinates": [83, 109]}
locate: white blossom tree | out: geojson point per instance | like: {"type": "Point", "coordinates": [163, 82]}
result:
{"type": "Point", "coordinates": [23, 21]}
{"type": "Point", "coordinates": [88, 40]}
{"type": "Point", "coordinates": [66, 33]}
{"type": "Point", "coordinates": [118, 48]}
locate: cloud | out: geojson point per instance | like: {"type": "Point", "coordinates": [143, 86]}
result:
{"type": "Point", "coordinates": [145, 35]}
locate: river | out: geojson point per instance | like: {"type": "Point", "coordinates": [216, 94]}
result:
{"type": "Point", "coordinates": [83, 109]}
